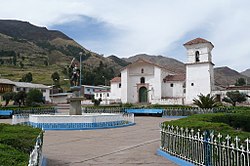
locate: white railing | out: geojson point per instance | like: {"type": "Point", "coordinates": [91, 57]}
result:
{"type": "Point", "coordinates": [85, 118]}
{"type": "Point", "coordinates": [36, 156]}
{"type": "Point", "coordinates": [20, 118]}
{"type": "Point", "coordinates": [204, 148]}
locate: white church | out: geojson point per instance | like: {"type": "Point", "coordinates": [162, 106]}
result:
{"type": "Point", "coordinates": [146, 82]}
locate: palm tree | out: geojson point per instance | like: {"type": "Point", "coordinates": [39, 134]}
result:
{"type": "Point", "coordinates": [205, 101]}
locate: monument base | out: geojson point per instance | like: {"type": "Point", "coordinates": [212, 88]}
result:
{"type": "Point", "coordinates": [75, 101]}
{"type": "Point", "coordinates": [75, 106]}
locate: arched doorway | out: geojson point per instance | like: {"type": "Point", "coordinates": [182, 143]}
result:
{"type": "Point", "coordinates": [143, 95]}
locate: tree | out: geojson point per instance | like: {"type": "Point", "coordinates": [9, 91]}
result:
{"type": "Point", "coordinates": [26, 78]}
{"type": "Point", "coordinates": [34, 97]}
{"type": "Point", "coordinates": [20, 97]}
{"type": "Point", "coordinates": [14, 60]}
{"type": "Point", "coordinates": [55, 76]}
{"type": "Point", "coordinates": [240, 82]}
{"type": "Point", "coordinates": [56, 79]}
{"type": "Point", "coordinates": [234, 96]}
{"type": "Point", "coordinates": [21, 65]}
{"type": "Point", "coordinates": [97, 102]}
{"type": "Point", "coordinates": [205, 101]}
{"type": "Point", "coordinates": [8, 96]}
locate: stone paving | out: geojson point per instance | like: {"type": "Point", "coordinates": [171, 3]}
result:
{"type": "Point", "coordinates": [134, 145]}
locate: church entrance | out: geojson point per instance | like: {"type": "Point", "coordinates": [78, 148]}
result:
{"type": "Point", "coordinates": [143, 95]}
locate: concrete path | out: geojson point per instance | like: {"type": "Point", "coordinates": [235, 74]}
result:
{"type": "Point", "coordinates": [127, 146]}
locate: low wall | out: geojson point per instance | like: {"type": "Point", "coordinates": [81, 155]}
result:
{"type": "Point", "coordinates": [75, 122]}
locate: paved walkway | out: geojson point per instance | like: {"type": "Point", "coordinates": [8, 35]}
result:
{"type": "Point", "coordinates": [134, 145]}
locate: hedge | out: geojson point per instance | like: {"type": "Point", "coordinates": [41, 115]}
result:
{"type": "Point", "coordinates": [16, 143]}
{"type": "Point", "coordinates": [233, 124]}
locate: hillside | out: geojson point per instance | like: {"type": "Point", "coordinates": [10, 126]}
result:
{"type": "Point", "coordinates": [28, 48]}
{"type": "Point", "coordinates": [169, 63]}
{"type": "Point", "coordinates": [246, 73]}
{"type": "Point", "coordinates": [226, 76]}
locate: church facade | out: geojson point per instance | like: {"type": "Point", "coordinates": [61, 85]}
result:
{"type": "Point", "coordinates": [147, 82]}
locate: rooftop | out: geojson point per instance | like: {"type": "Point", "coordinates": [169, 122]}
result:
{"type": "Point", "coordinates": [116, 79]}
{"type": "Point", "coordinates": [197, 41]}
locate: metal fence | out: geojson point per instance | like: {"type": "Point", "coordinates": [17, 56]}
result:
{"type": "Point", "coordinates": [34, 110]}
{"type": "Point", "coordinates": [190, 111]}
{"type": "Point", "coordinates": [36, 156]}
{"type": "Point", "coordinates": [103, 110]}
{"type": "Point", "coordinates": [204, 148]}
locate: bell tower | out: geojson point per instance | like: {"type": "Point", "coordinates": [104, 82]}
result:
{"type": "Point", "coordinates": [199, 69]}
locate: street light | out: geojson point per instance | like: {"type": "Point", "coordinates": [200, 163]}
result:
{"type": "Point", "coordinates": [80, 82]}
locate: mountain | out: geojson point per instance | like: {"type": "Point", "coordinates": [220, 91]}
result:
{"type": "Point", "coordinates": [28, 48]}
{"type": "Point", "coordinates": [246, 73]}
{"type": "Point", "coordinates": [119, 61]}
{"type": "Point", "coordinates": [168, 63]}
{"type": "Point", "coordinates": [226, 76]}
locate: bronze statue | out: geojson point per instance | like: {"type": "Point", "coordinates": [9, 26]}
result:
{"type": "Point", "coordinates": [74, 74]}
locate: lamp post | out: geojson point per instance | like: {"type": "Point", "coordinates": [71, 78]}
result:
{"type": "Point", "coordinates": [80, 82]}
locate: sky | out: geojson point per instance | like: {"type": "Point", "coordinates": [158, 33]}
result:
{"type": "Point", "coordinates": [156, 27]}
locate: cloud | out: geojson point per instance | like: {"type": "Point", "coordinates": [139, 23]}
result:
{"type": "Point", "coordinates": [128, 27]}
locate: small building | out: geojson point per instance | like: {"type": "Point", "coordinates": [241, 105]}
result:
{"type": "Point", "coordinates": [60, 98]}
{"type": "Point", "coordinates": [88, 91]}
{"type": "Point", "coordinates": [103, 94]}
{"type": "Point", "coordinates": [12, 86]}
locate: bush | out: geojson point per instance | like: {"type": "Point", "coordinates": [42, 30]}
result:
{"type": "Point", "coordinates": [16, 143]}
{"type": "Point", "coordinates": [233, 124]}
{"type": "Point", "coordinates": [34, 97]}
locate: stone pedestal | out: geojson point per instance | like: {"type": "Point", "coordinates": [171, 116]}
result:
{"type": "Point", "coordinates": [75, 101]}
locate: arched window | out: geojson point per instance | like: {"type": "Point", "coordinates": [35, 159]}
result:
{"type": "Point", "coordinates": [142, 70]}
{"type": "Point", "coordinates": [197, 56]}
{"type": "Point", "coordinates": [142, 80]}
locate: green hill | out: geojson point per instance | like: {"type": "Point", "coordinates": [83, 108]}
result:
{"type": "Point", "coordinates": [28, 48]}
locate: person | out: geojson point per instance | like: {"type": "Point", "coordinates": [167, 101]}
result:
{"type": "Point", "coordinates": [75, 74]}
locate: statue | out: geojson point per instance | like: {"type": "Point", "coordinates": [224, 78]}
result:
{"type": "Point", "coordinates": [74, 74]}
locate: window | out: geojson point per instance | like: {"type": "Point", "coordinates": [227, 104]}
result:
{"type": "Point", "coordinates": [100, 95]}
{"type": "Point", "coordinates": [171, 85]}
{"type": "Point", "coordinates": [197, 56]}
{"type": "Point", "coordinates": [107, 94]}
{"type": "Point", "coordinates": [96, 94]}
{"type": "Point", "coordinates": [88, 90]}
{"type": "Point", "coordinates": [142, 70]}
{"type": "Point", "coordinates": [192, 84]}
{"type": "Point", "coordinates": [120, 85]}
{"type": "Point", "coordinates": [43, 90]}
{"type": "Point", "coordinates": [142, 80]}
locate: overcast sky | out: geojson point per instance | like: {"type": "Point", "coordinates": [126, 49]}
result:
{"type": "Point", "coordinates": [156, 27]}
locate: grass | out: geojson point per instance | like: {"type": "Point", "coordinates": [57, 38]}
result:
{"type": "Point", "coordinates": [16, 143]}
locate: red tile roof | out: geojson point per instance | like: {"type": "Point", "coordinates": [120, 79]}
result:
{"type": "Point", "coordinates": [197, 41]}
{"type": "Point", "coordinates": [180, 77]}
{"type": "Point", "coordinates": [116, 79]}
